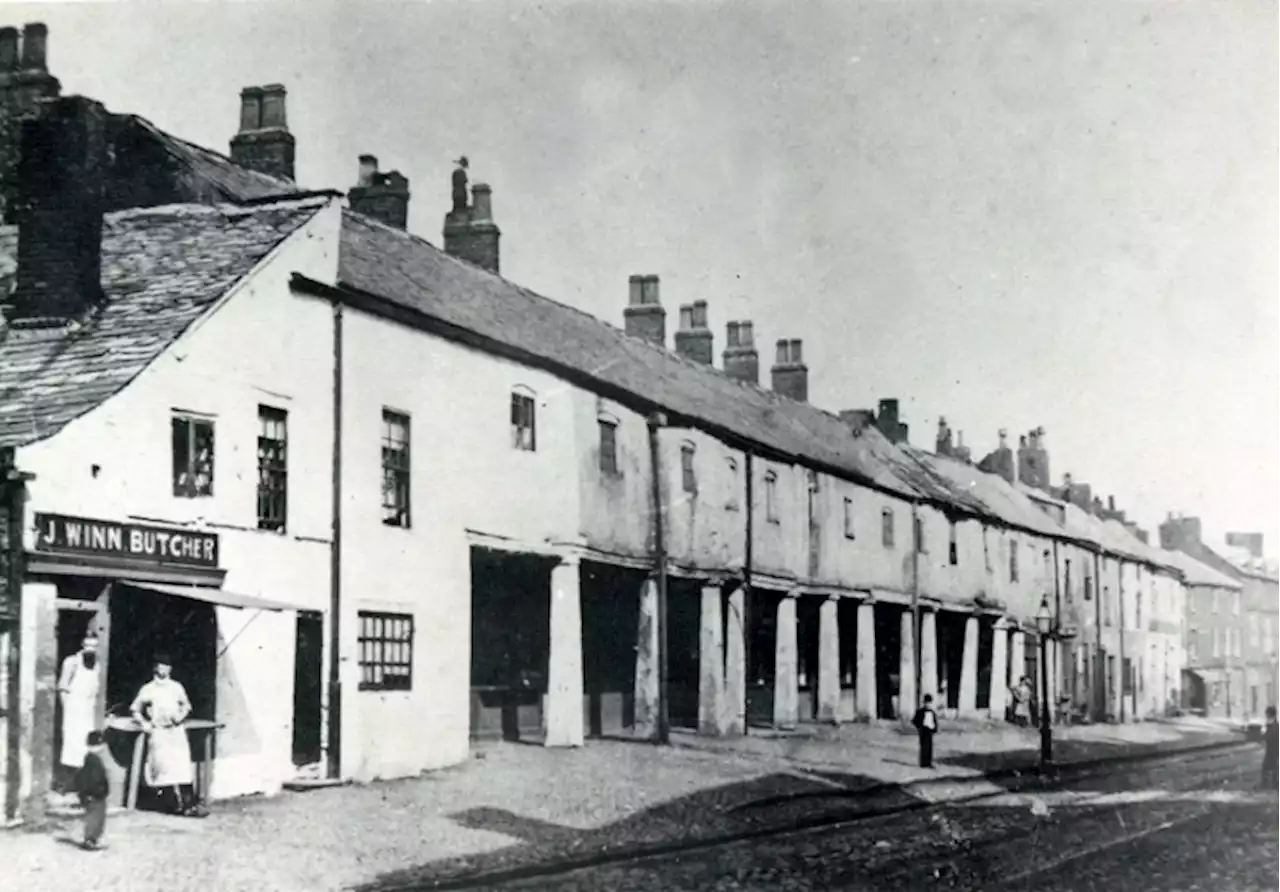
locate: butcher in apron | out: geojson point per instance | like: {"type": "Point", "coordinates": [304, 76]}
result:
{"type": "Point", "coordinates": [78, 696]}
{"type": "Point", "coordinates": [160, 708]}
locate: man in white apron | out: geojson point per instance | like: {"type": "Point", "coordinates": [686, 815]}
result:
{"type": "Point", "coordinates": [160, 708]}
{"type": "Point", "coordinates": [78, 695]}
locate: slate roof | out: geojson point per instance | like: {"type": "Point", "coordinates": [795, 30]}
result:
{"type": "Point", "coordinates": [162, 268]}
{"type": "Point", "coordinates": [1197, 573]}
{"type": "Point", "coordinates": [229, 181]}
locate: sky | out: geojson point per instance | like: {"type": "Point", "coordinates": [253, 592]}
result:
{"type": "Point", "coordinates": [1010, 214]}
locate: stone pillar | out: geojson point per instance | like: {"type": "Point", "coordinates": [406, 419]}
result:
{"type": "Point", "coordinates": [906, 665]}
{"type": "Point", "coordinates": [785, 693]}
{"type": "Point", "coordinates": [711, 664]}
{"type": "Point", "coordinates": [1017, 655]}
{"type": "Point", "coordinates": [929, 655]}
{"type": "Point", "coordinates": [969, 669]}
{"type": "Point", "coordinates": [998, 698]}
{"type": "Point", "coordinates": [734, 701]}
{"type": "Point", "coordinates": [864, 690]}
{"type": "Point", "coordinates": [646, 690]}
{"type": "Point", "coordinates": [563, 719]}
{"type": "Point", "coordinates": [829, 661]}
{"type": "Point", "coordinates": [38, 676]}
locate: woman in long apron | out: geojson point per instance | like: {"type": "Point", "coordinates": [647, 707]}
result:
{"type": "Point", "coordinates": [160, 708]}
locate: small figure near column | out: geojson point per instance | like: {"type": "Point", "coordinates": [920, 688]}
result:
{"type": "Point", "coordinates": [926, 722]}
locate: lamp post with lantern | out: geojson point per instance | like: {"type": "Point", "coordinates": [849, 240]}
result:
{"type": "Point", "coordinates": [1049, 626]}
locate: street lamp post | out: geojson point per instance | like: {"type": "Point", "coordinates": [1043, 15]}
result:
{"type": "Point", "coordinates": [1044, 625]}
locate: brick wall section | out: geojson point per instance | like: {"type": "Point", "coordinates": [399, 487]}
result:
{"type": "Point", "coordinates": [24, 82]}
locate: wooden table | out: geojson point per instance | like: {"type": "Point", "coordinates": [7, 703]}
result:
{"type": "Point", "coordinates": [128, 725]}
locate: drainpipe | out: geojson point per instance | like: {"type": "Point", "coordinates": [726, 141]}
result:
{"type": "Point", "coordinates": [747, 597]}
{"type": "Point", "coordinates": [1057, 625]}
{"type": "Point", "coordinates": [335, 557]}
{"type": "Point", "coordinates": [1099, 659]}
{"type": "Point", "coordinates": [917, 644]}
{"type": "Point", "coordinates": [1124, 673]}
{"type": "Point", "coordinates": [656, 422]}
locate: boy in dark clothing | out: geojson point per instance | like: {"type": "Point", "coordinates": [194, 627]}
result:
{"type": "Point", "coordinates": [93, 787]}
{"type": "Point", "coordinates": [926, 722]}
{"type": "Point", "coordinates": [1271, 750]}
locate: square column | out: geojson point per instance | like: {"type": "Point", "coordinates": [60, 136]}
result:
{"type": "Point", "coordinates": [38, 698]}
{"type": "Point", "coordinates": [711, 663]}
{"type": "Point", "coordinates": [929, 655]}
{"type": "Point", "coordinates": [1017, 655]}
{"type": "Point", "coordinates": [998, 697]}
{"type": "Point", "coordinates": [969, 669]}
{"type": "Point", "coordinates": [864, 691]}
{"type": "Point", "coordinates": [906, 665]}
{"type": "Point", "coordinates": [646, 687]}
{"type": "Point", "coordinates": [734, 701]}
{"type": "Point", "coordinates": [829, 661]}
{"type": "Point", "coordinates": [785, 693]}
{"type": "Point", "coordinates": [563, 718]}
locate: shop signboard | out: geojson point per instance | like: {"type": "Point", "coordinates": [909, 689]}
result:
{"type": "Point", "coordinates": [63, 534]}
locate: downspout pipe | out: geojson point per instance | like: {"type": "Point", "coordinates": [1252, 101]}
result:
{"type": "Point", "coordinates": [1057, 623]}
{"type": "Point", "coordinates": [917, 643]}
{"type": "Point", "coordinates": [656, 422]}
{"type": "Point", "coordinates": [1099, 656]}
{"type": "Point", "coordinates": [335, 556]}
{"type": "Point", "coordinates": [747, 597]}
{"type": "Point", "coordinates": [1124, 671]}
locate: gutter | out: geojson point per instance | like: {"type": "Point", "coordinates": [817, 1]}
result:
{"type": "Point", "coordinates": [335, 559]}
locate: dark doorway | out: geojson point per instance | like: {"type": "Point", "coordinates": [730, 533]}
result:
{"type": "Point", "coordinates": [950, 631]}
{"type": "Point", "coordinates": [308, 672]}
{"type": "Point", "coordinates": [986, 672]}
{"type": "Point", "coordinates": [78, 614]}
{"type": "Point", "coordinates": [510, 642]}
{"type": "Point", "coordinates": [684, 619]}
{"type": "Point", "coordinates": [610, 629]}
{"type": "Point", "coordinates": [808, 645]}
{"type": "Point", "coordinates": [146, 623]}
{"type": "Point", "coordinates": [762, 641]}
{"type": "Point", "coordinates": [888, 622]}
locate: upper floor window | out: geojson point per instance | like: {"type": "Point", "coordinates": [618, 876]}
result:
{"type": "Point", "coordinates": [688, 476]}
{"type": "Point", "coordinates": [192, 455]}
{"type": "Point", "coordinates": [1013, 561]}
{"type": "Point", "coordinates": [812, 477]}
{"type": "Point", "coordinates": [953, 553]}
{"type": "Point", "coordinates": [273, 468]}
{"type": "Point", "coordinates": [848, 518]}
{"type": "Point", "coordinates": [523, 421]}
{"type": "Point", "coordinates": [1066, 579]}
{"type": "Point", "coordinates": [1106, 605]}
{"type": "Point", "coordinates": [918, 527]}
{"type": "Point", "coordinates": [731, 504]}
{"type": "Point", "coordinates": [771, 497]}
{"type": "Point", "coordinates": [395, 469]}
{"type": "Point", "coordinates": [608, 445]}
{"type": "Point", "coordinates": [1137, 610]}
{"type": "Point", "coordinates": [1088, 588]}
{"type": "Point", "coordinates": [886, 527]}
{"type": "Point", "coordinates": [986, 551]}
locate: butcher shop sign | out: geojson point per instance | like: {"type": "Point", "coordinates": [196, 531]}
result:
{"type": "Point", "coordinates": [57, 533]}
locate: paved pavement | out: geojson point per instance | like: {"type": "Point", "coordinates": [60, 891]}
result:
{"type": "Point", "coordinates": [1191, 824]}
{"type": "Point", "coordinates": [518, 805]}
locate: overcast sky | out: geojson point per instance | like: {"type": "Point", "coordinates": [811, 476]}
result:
{"type": "Point", "coordinates": [1010, 214]}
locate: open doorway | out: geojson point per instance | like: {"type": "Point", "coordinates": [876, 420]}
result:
{"type": "Point", "coordinates": [308, 674]}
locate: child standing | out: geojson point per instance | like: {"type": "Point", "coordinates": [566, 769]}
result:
{"type": "Point", "coordinates": [93, 787]}
{"type": "Point", "coordinates": [1271, 750]}
{"type": "Point", "coordinates": [926, 722]}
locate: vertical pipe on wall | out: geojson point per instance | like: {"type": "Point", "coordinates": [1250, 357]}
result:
{"type": "Point", "coordinates": [747, 598]}
{"type": "Point", "coordinates": [1059, 674]}
{"type": "Point", "coordinates": [656, 422]}
{"type": "Point", "coordinates": [1099, 655]}
{"type": "Point", "coordinates": [1124, 671]}
{"type": "Point", "coordinates": [915, 600]}
{"type": "Point", "coordinates": [335, 558]}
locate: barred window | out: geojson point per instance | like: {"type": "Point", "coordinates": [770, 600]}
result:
{"type": "Point", "coordinates": [273, 468]}
{"type": "Point", "coordinates": [386, 651]}
{"type": "Point", "coordinates": [395, 469]}
{"type": "Point", "coordinates": [192, 456]}
{"type": "Point", "coordinates": [524, 434]}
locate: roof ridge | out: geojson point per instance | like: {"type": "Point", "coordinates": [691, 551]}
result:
{"type": "Point", "coordinates": [223, 208]}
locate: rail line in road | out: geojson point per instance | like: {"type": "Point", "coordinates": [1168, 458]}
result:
{"type": "Point", "coordinates": [1066, 775]}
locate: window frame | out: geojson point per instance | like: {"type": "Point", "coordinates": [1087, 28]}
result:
{"type": "Point", "coordinates": [273, 469]}
{"type": "Point", "coordinates": [732, 504]}
{"type": "Point", "coordinates": [192, 421]}
{"type": "Point", "coordinates": [524, 408]}
{"type": "Point", "coordinates": [850, 530]}
{"type": "Point", "coordinates": [771, 497]}
{"type": "Point", "coordinates": [887, 524]}
{"type": "Point", "coordinates": [688, 468]}
{"type": "Point", "coordinates": [608, 457]}
{"type": "Point", "coordinates": [953, 544]}
{"type": "Point", "coordinates": [402, 474]}
{"type": "Point", "coordinates": [1013, 560]}
{"type": "Point", "coordinates": [368, 666]}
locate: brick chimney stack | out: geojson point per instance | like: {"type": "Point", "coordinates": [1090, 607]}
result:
{"type": "Point", "coordinates": [1182, 533]}
{"type": "Point", "coordinates": [264, 142]}
{"type": "Point", "coordinates": [890, 424]}
{"type": "Point", "coordinates": [741, 358]}
{"type": "Point", "coordinates": [694, 338]}
{"type": "Point", "coordinates": [24, 82]}
{"type": "Point", "coordinates": [1000, 462]}
{"type": "Point", "coordinates": [1033, 460]}
{"type": "Point", "coordinates": [382, 196]}
{"type": "Point", "coordinates": [470, 233]}
{"type": "Point", "coordinates": [63, 168]}
{"type": "Point", "coordinates": [942, 444]}
{"type": "Point", "coordinates": [644, 316]}
{"type": "Point", "coordinates": [790, 374]}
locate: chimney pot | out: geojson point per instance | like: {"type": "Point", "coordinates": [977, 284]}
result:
{"type": "Point", "coordinates": [731, 334]}
{"type": "Point", "coordinates": [470, 233]}
{"type": "Point", "coordinates": [366, 171]}
{"type": "Point", "coordinates": [34, 42]}
{"type": "Point", "coordinates": [686, 317]}
{"type": "Point", "coordinates": [273, 107]}
{"type": "Point", "coordinates": [481, 203]}
{"type": "Point", "coordinates": [250, 109]}
{"type": "Point", "coordinates": [1111, 503]}
{"type": "Point", "coordinates": [635, 294]}
{"type": "Point", "coordinates": [8, 48]}
{"type": "Point", "coordinates": [746, 334]}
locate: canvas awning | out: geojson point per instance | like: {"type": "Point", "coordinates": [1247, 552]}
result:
{"type": "Point", "coordinates": [211, 595]}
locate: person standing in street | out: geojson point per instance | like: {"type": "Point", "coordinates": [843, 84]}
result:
{"type": "Point", "coordinates": [926, 722]}
{"type": "Point", "coordinates": [1270, 751]}
{"type": "Point", "coordinates": [160, 709]}
{"type": "Point", "coordinates": [78, 696]}
{"type": "Point", "coordinates": [93, 788]}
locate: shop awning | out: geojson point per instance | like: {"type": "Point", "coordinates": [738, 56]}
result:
{"type": "Point", "coordinates": [1208, 676]}
{"type": "Point", "coordinates": [217, 596]}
